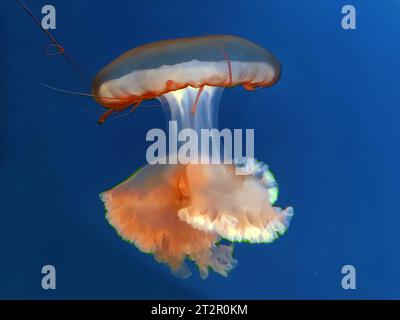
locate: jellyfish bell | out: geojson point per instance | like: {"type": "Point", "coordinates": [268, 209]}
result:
{"type": "Point", "coordinates": [154, 70]}
{"type": "Point", "coordinates": [183, 211]}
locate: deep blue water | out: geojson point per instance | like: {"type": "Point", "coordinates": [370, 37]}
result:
{"type": "Point", "coordinates": [329, 130]}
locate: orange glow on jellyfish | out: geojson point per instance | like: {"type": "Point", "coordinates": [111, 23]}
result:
{"type": "Point", "coordinates": [178, 211]}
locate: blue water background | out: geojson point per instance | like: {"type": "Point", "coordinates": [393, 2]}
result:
{"type": "Point", "coordinates": [329, 131]}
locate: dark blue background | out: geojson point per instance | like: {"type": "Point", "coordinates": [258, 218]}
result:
{"type": "Point", "coordinates": [329, 130]}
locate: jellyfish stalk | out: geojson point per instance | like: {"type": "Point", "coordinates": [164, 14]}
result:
{"type": "Point", "coordinates": [177, 106]}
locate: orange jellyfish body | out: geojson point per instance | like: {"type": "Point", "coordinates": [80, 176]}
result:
{"type": "Point", "coordinates": [179, 211]}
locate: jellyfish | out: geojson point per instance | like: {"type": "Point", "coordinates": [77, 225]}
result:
{"type": "Point", "coordinates": [192, 210]}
